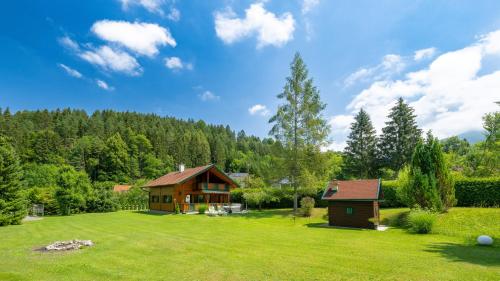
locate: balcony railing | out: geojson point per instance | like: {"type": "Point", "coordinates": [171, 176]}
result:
{"type": "Point", "coordinates": [214, 186]}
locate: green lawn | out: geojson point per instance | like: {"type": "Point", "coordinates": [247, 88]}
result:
{"type": "Point", "coordinates": [259, 246]}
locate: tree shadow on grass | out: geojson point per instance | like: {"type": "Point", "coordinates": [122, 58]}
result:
{"type": "Point", "coordinates": [483, 255]}
{"type": "Point", "coordinates": [326, 225]}
{"type": "Point", "coordinates": [255, 214]}
{"type": "Point", "coordinates": [152, 213]}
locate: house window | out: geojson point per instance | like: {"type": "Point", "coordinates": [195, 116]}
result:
{"type": "Point", "coordinates": [155, 199]}
{"type": "Point", "coordinates": [201, 198]}
{"type": "Point", "coordinates": [167, 198]}
{"type": "Point", "coordinates": [349, 210]}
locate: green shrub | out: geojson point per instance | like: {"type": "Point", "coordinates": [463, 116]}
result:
{"type": "Point", "coordinates": [421, 221]}
{"type": "Point", "coordinates": [202, 208]}
{"type": "Point", "coordinates": [177, 209]}
{"type": "Point", "coordinates": [390, 192]}
{"type": "Point", "coordinates": [306, 206]}
{"type": "Point", "coordinates": [484, 192]}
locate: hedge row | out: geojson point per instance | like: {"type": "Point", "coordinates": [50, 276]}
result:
{"type": "Point", "coordinates": [391, 200]}
{"type": "Point", "coordinates": [483, 192]}
{"type": "Point", "coordinates": [478, 192]}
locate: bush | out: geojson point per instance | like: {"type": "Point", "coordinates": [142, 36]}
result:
{"type": "Point", "coordinates": [306, 206]}
{"type": "Point", "coordinates": [177, 209]}
{"type": "Point", "coordinates": [421, 221]}
{"type": "Point", "coordinates": [202, 208]}
{"type": "Point", "coordinates": [484, 192]}
{"type": "Point", "coordinates": [390, 191]}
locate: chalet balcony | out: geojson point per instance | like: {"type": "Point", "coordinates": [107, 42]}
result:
{"type": "Point", "coordinates": [207, 187]}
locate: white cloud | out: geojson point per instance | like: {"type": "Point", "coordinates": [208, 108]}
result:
{"type": "Point", "coordinates": [269, 29]}
{"type": "Point", "coordinates": [142, 38]}
{"type": "Point", "coordinates": [112, 60]}
{"type": "Point", "coordinates": [424, 54]}
{"type": "Point", "coordinates": [208, 96]}
{"type": "Point", "coordinates": [174, 15]}
{"type": "Point", "coordinates": [259, 109]}
{"type": "Point", "coordinates": [70, 71]}
{"type": "Point", "coordinates": [68, 43]}
{"type": "Point", "coordinates": [390, 65]}
{"type": "Point", "coordinates": [153, 6]}
{"type": "Point", "coordinates": [176, 63]}
{"type": "Point", "coordinates": [308, 5]}
{"type": "Point", "coordinates": [450, 96]}
{"type": "Point", "coordinates": [103, 85]}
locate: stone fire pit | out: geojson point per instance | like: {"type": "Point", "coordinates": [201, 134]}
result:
{"type": "Point", "coordinates": [68, 245]}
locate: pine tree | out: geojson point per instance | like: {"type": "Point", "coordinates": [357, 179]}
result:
{"type": "Point", "coordinates": [12, 204]}
{"type": "Point", "coordinates": [399, 137]}
{"type": "Point", "coordinates": [360, 153]}
{"type": "Point", "coordinates": [298, 122]}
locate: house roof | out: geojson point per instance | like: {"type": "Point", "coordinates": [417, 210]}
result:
{"type": "Point", "coordinates": [353, 190]}
{"type": "Point", "coordinates": [121, 187]}
{"type": "Point", "coordinates": [180, 177]}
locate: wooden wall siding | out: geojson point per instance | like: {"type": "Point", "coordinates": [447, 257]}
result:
{"type": "Point", "coordinates": [161, 191]}
{"type": "Point", "coordinates": [365, 214]}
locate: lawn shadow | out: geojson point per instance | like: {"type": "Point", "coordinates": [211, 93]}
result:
{"type": "Point", "coordinates": [255, 214]}
{"type": "Point", "coordinates": [326, 225]}
{"type": "Point", "coordinates": [152, 213]}
{"type": "Point", "coordinates": [483, 255]}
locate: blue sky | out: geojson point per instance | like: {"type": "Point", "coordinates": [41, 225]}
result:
{"type": "Point", "coordinates": [225, 61]}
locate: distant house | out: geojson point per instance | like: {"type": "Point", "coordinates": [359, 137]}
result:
{"type": "Point", "coordinates": [189, 188]}
{"type": "Point", "coordinates": [240, 178]}
{"type": "Point", "coordinates": [353, 203]}
{"type": "Point", "coordinates": [121, 188]}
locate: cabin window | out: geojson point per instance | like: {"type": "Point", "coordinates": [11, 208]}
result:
{"type": "Point", "coordinates": [201, 198]}
{"type": "Point", "coordinates": [349, 210]}
{"type": "Point", "coordinates": [167, 198]}
{"type": "Point", "coordinates": [155, 199]}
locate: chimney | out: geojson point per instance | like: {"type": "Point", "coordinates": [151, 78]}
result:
{"type": "Point", "coordinates": [181, 168]}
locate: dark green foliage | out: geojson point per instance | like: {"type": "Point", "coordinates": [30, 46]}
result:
{"type": "Point", "coordinates": [202, 208]}
{"type": "Point", "coordinates": [399, 137]}
{"type": "Point", "coordinates": [391, 198]}
{"type": "Point", "coordinates": [102, 199]}
{"type": "Point", "coordinates": [116, 160]}
{"type": "Point", "coordinates": [430, 185]}
{"type": "Point", "coordinates": [12, 203]}
{"type": "Point", "coordinates": [456, 145]}
{"type": "Point", "coordinates": [74, 189]}
{"type": "Point", "coordinates": [484, 192]}
{"type": "Point", "coordinates": [421, 221]}
{"type": "Point", "coordinates": [360, 153]}
{"type": "Point", "coordinates": [125, 146]}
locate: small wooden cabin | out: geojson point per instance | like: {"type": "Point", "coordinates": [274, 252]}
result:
{"type": "Point", "coordinates": [353, 203]}
{"type": "Point", "coordinates": [190, 188]}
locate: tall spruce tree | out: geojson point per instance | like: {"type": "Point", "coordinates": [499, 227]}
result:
{"type": "Point", "coordinates": [399, 137]}
{"type": "Point", "coordinates": [360, 153]}
{"type": "Point", "coordinates": [12, 204]}
{"type": "Point", "coordinates": [298, 122]}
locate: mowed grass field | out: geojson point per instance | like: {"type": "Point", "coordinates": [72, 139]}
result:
{"type": "Point", "coordinates": [265, 245]}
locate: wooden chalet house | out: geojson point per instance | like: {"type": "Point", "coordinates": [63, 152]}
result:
{"type": "Point", "coordinates": [190, 188]}
{"type": "Point", "coordinates": [353, 203]}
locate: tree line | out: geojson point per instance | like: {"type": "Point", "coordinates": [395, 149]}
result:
{"type": "Point", "coordinates": [69, 160]}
